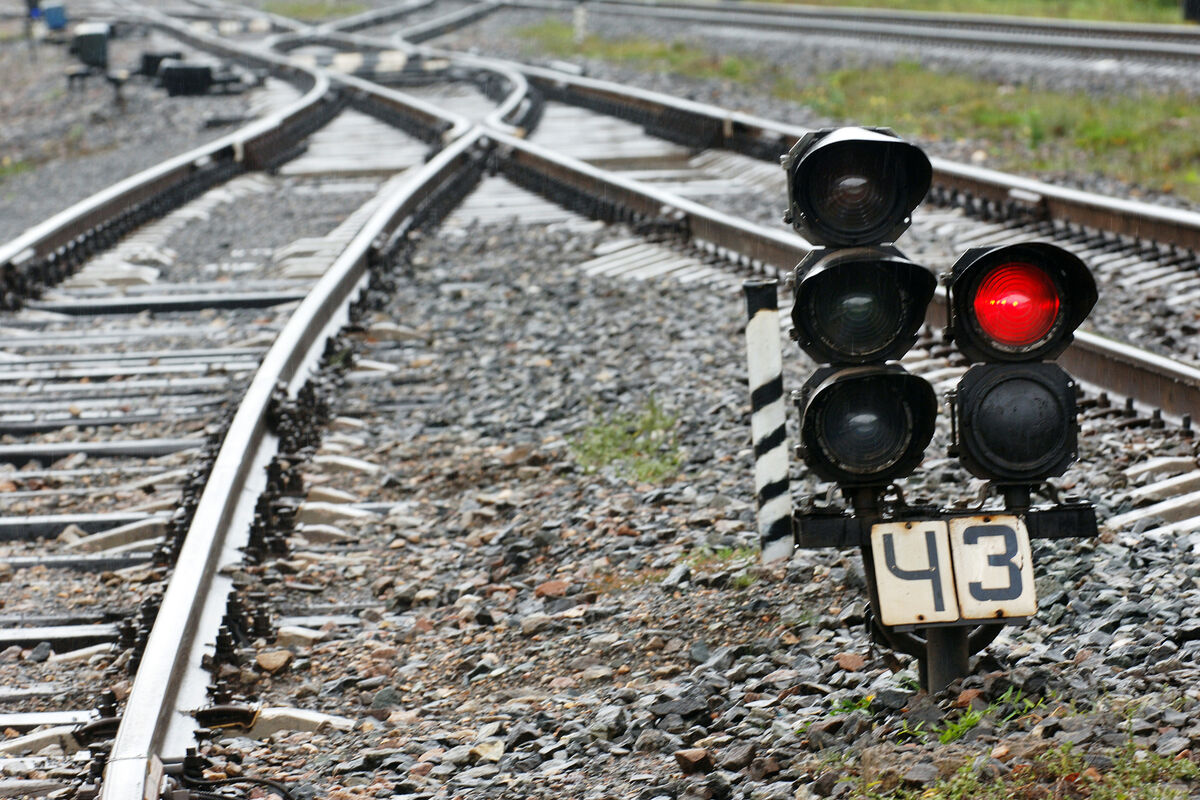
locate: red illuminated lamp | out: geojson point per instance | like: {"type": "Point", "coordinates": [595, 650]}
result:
{"type": "Point", "coordinates": [1018, 302]}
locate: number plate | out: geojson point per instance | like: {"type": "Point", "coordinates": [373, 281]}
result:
{"type": "Point", "coordinates": [962, 569]}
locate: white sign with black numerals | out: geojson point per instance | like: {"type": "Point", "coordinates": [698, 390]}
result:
{"type": "Point", "coordinates": [993, 567]}
{"type": "Point", "coordinates": [913, 573]}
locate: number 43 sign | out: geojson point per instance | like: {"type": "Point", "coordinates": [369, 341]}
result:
{"type": "Point", "coordinates": [964, 570]}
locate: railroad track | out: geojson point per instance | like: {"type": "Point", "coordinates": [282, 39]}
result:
{"type": "Point", "coordinates": [1060, 37]}
{"type": "Point", "coordinates": [687, 243]}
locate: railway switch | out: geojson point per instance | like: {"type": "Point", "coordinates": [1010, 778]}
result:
{"type": "Point", "coordinates": [941, 582]}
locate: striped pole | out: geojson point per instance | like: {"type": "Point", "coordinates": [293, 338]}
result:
{"type": "Point", "coordinates": [768, 420]}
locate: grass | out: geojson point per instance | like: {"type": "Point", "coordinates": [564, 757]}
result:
{"type": "Point", "coordinates": [1148, 140]}
{"type": "Point", "coordinates": [1063, 773]}
{"type": "Point", "coordinates": [9, 167]}
{"type": "Point", "coordinates": [641, 446]}
{"type": "Point", "coordinates": [313, 9]}
{"type": "Point", "coordinates": [705, 557]}
{"type": "Point", "coordinates": [1114, 10]}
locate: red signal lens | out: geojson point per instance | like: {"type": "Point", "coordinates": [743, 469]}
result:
{"type": "Point", "coordinates": [1016, 304]}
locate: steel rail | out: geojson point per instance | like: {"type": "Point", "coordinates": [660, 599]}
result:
{"type": "Point", "coordinates": [1026, 40]}
{"type": "Point", "coordinates": [1161, 382]}
{"type": "Point", "coordinates": [436, 27]}
{"type": "Point", "coordinates": [509, 112]}
{"type": "Point", "coordinates": [1122, 369]}
{"type": "Point", "coordinates": [1182, 33]}
{"type": "Point", "coordinates": [176, 642]}
{"type": "Point", "coordinates": [702, 125]}
{"type": "Point", "coordinates": [69, 233]}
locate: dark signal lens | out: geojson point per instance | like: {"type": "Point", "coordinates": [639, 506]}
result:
{"type": "Point", "coordinates": [865, 430]}
{"type": "Point", "coordinates": [1016, 422]}
{"type": "Point", "coordinates": [846, 194]}
{"type": "Point", "coordinates": [1016, 304]}
{"type": "Point", "coordinates": [858, 317]}
{"type": "Point", "coordinates": [866, 426]}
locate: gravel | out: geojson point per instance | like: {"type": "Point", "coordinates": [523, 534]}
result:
{"type": "Point", "coordinates": [75, 143]}
{"type": "Point", "coordinates": [528, 628]}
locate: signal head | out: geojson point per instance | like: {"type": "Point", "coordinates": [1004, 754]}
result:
{"type": "Point", "coordinates": [1015, 423]}
{"type": "Point", "coordinates": [865, 426]}
{"type": "Point", "coordinates": [1018, 302]}
{"type": "Point", "coordinates": [859, 305]}
{"type": "Point", "coordinates": [852, 186]}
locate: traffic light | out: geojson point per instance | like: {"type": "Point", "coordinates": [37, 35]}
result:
{"type": "Point", "coordinates": [1011, 307]}
{"type": "Point", "coordinates": [858, 304]}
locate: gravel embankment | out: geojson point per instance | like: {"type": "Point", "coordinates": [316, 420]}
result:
{"type": "Point", "coordinates": [59, 146]}
{"type": "Point", "coordinates": [530, 629]}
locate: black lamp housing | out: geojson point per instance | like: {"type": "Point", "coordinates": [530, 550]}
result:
{"type": "Point", "coordinates": [1015, 423]}
{"type": "Point", "coordinates": [854, 186]}
{"type": "Point", "coordinates": [1072, 280]}
{"type": "Point", "coordinates": [865, 426]}
{"type": "Point", "coordinates": [859, 305]}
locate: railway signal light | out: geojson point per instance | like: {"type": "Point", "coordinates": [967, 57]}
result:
{"type": "Point", "coordinates": [858, 304]}
{"type": "Point", "coordinates": [1011, 307]}
{"type": "Point", "coordinates": [1018, 302]}
{"type": "Point", "coordinates": [866, 426]}
{"type": "Point", "coordinates": [851, 186]}
{"type": "Point", "coordinates": [941, 582]}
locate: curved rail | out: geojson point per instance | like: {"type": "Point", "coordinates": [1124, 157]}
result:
{"type": "Point", "coordinates": [226, 505]}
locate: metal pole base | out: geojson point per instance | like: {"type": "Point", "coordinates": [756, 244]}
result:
{"type": "Point", "coordinates": [946, 657]}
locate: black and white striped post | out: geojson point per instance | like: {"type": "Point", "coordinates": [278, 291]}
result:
{"type": "Point", "coordinates": [768, 420]}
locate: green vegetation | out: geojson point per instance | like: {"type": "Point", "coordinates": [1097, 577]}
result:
{"type": "Point", "coordinates": [1114, 10]}
{"type": "Point", "coordinates": [704, 557]}
{"type": "Point", "coordinates": [557, 38]}
{"type": "Point", "coordinates": [640, 446]}
{"type": "Point", "coordinates": [9, 167]}
{"type": "Point", "coordinates": [1063, 773]}
{"type": "Point", "coordinates": [313, 9]}
{"type": "Point", "coordinates": [848, 705]}
{"type": "Point", "coordinates": [1150, 140]}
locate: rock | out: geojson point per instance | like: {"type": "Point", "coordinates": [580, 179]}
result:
{"type": "Point", "coordinates": [738, 757]}
{"type": "Point", "coordinates": [457, 755]}
{"type": "Point", "coordinates": [555, 588]}
{"type": "Point", "coordinates": [676, 577]}
{"type": "Point", "coordinates": [920, 774]}
{"type": "Point", "coordinates": [71, 534]}
{"type": "Point", "coordinates": [694, 760]}
{"type": "Point", "coordinates": [535, 622]}
{"type": "Point", "coordinates": [387, 697]}
{"type": "Point", "coordinates": [40, 653]}
{"type": "Point", "coordinates": [296, 636]}
{"type": "Point", "coordinates": [1171, 745]}
{"type": "Point", "coordinates": [273, 660]}
{"type": "Point", "coordinates": [652, 740]}
{"type": "Point", "coordinates": [489, 751]}
{"type": "Point", "coordinates": [610, 722]}
{"type": "Point", "coordinates": [851, 662]}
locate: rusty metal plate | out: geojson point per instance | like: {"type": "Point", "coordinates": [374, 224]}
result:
{"type": "Point", "coordinates": [913, 572]}
{"type": "Point", "coordinates": [993, 567]}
